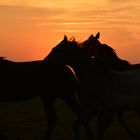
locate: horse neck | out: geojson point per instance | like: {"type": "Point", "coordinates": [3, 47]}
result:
{"type": "Point", "coordinates": [90, 72]}
{"type": "Point", "coordinates": [52, 62]}
{"type": "Point", "coordinates": [114, 62]}
{"type": "Point", "coordinates": [81, 69]}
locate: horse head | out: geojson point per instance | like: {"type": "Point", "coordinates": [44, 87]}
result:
{"type": "Point", "coordinates": [103, 52]}
{"type": "Point", "coordinates": [92, 45]}
{"type": "Point", "coordinates": [56, 54]}
{"type": "Point", "coordinates": [66, 52]}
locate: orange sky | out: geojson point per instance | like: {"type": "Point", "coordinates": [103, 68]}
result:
{"type": "Point", "coordinates": [30, 28]}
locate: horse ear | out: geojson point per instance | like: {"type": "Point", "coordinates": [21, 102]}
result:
{"type": "Point", "coordinates": [65, 38]}
{"type": "Point", "coordinates": [97, 35]}
{"type": "Point", "coordinates": [73, 40]}
{"type": "Point", "coordinates": [91, 37]}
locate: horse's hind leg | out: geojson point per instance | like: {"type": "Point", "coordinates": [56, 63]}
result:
{"type": "Point", "coordinates": [72, 102]}
{"type": "Point", "coordinates": [51, 116]}
{"type": "Point", "coordinates": [103, 121]}
{"type": "Point", "coordinates": [122, 122]}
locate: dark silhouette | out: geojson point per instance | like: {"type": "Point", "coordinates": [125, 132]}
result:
{"type": "Point", "coordinates": [93, 77]}
{"type": "Point", "coordinates": [100, 89]}
{"type": "Point", "coordinates": [49, 79]}
{"type": "Point", "coordinates": [95, 49]}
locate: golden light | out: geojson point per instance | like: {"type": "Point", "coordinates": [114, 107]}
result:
{"type": "Point", "coordinates": [30, 28]}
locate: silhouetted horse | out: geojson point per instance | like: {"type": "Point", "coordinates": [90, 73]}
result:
{"type": "Point", "coordinates": [94, 48]}
{"type": "Point", "coordinates": [48, 79]}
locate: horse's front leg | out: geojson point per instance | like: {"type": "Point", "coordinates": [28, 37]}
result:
{"type": "Point", "coordinates": [72, 102]}
{"type": "Point", "coordinates": [49, 106]}
{"type": "Point", "coordinates": [103, 121]}
{"type": "Point", "coordinates": [122, 122]}
{"type": "Point", "coordinates": [82, 120]}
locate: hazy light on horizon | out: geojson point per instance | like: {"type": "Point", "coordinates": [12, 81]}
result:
{"type": "Point", "coordinates": [29, 27]}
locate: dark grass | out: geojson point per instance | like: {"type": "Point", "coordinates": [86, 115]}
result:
{"type": "Point", "coordinates": [27, 121]}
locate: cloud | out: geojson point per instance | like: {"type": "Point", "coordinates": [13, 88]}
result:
{"type": "Point", "coordinates": [121, 1]}
{"type": "Point", "coordinates": [60, 15]}
{"type": "Point", "coordinates": [29, 13]}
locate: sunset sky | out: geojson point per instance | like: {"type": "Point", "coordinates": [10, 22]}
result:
{"type": "Point", "coordinates": [30, 28]}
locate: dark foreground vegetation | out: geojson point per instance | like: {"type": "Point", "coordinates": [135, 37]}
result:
{"type": "Point", "coordinates": [27, 121]}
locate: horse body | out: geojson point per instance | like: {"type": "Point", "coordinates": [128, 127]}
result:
{"type": "Point", "coordinates": [116, 91]}
{"type": "Point", "coordinates": [125, 85]}
{"type": "Point", "coordinates": [126, 90]}
{"type": "Point", "coordinates": [34, 76]}
{"type": "Point", "coordinates": [126, 76]}
{"type": "Point", "coordinates": [46, 79]}
{"type": "Point", "coordinates": [18, 79]}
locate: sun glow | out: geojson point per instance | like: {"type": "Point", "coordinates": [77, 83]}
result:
{"type": "Point", "coordinates": [30, 28]}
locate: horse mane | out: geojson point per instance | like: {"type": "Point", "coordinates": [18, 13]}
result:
{"type": "Point", "coordinates": [72, 39]}
{"type": "Point", "coordinates": [76, 45]}
{"type": "Point", "coordinates": [109, 50]}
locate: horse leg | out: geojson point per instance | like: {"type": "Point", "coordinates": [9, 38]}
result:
{"type": "Point", "coordinates": [72, 102]}
{"type": "Point", "coordinates": [83, 119]}
{"type": "Point", "coordinates": [49, 106]}
{"type": "Point", "coordinates": [136, 135]}
{"type": "Point", "coordinates": [122, 122]}
{"type": "Point", "coordinates": [103, 121]}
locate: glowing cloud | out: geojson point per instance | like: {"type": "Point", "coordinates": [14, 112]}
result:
{"type": "Point", "coordinates": [41, 19]}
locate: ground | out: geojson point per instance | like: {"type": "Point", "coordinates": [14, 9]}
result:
{"type": "Point", "coordinates": [27, 121]}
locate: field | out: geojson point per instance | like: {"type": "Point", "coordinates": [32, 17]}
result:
{"type": "Point", "coordinates": [27, 121]}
